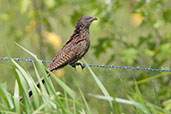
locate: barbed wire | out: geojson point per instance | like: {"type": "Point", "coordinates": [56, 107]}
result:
{"type": "Point", "coordinates": [90, 65]}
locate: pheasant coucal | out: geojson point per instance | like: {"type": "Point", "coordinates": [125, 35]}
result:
{"type": "Point", "coordinates": [74, 49]}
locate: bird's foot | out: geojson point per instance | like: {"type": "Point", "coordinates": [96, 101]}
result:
{"type": "Point", "coordinates": [76, 64]}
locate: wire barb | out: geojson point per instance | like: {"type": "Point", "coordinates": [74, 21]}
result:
{"type": "Point", "coordinates": [90, 65]}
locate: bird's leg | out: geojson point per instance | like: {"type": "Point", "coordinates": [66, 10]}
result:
{"type": "Point", "coordinates": [75, 64]}
{"type": "Point", "coordinates": [82, 65]}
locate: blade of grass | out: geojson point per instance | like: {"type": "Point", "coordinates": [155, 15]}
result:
{"type": "Point", "coordinates": [116, 104]}
{"type": "Point", "coordinates": [138, 96]}
{"type": "Point", "coordinates": [100, 85]}
{"type": "Point", "coordinates": [64, 86]}
{"type": "Point", "coordinates": [66, 99]}
{"type": "Point", "coordinates": [156, 96]}
{"type": "Point", "coordinates": [158, 109]}
{"type": "Point", "coordinates": [85, 102]}
{"type": "Point", "coordinates": [41, 107]}
{"type": "Point", "coordinates": [50, 86]}
{"type": "Point", "coordinates": [43, 90]}
{"type": "Point", "coordinates": [153, 77]}
{"type": "Point", "coordinates": [7, 112]}
{"type": "Point", "coordinates": [23, 74]}
{"type": "Point", "coordinates": [124, 101]}
{"type": "Point", "coordinates": [24, 91]}
{"type": "Point", "coordinates": [16, 98]}
{"type": "Point", "coordinates": [41, 66]}
{"type": "Point", "coordinates": [26, 50]}
{"type": "Point", "coordinates": [5, 95]}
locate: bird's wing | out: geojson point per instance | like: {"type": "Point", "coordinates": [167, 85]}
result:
{"type": "Point", "coordinates": [62, 58]}
{"type": "Point", "coordinates": [72, 38]}
{"type": "Point", "coordinates": [67, 55]}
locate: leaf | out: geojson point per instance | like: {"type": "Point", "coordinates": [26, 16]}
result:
{"type": "Point", "coordinates": [102, 45]}
{"type": "Point", "coordinates": [167, 15]}
{"type": "Point", "coordinates": [144, 39]}
{"type": "Point", "coordinates": [24, 5]}
{"type": "Point", "coordinates": [165, 50]}
{"type": "Point", "coordinates": [128, 56]}
{"type": "Point", "coordinates": [112, 58]}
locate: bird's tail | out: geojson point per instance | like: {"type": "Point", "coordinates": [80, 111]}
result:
{"type": "Point", "coordinates": [37, 84]}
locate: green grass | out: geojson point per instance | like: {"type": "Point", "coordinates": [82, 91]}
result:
{"type": "Point", "coordinates": [49, 100]}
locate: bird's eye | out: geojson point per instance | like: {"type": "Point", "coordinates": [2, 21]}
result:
{"type": "Point", "coordinates": [88, 18]}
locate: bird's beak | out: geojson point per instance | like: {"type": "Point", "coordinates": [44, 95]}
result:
{"type": "Point", "coordinates": [93, 18]}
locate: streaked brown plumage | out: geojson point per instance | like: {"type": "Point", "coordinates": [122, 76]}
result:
{"type": "Point", "coordinates": [74, 49]}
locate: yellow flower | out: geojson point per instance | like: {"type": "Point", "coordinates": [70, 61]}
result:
{"type": "Point", "coordinates": [59, 73]}
{"type": "Point", "coordinates": [53, 38]}
{"type": "Point", "coordinates": [137, 19]}
{"type": "Point", "coordinates": [31, 26]}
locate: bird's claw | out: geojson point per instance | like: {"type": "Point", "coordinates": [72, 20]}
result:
{"type": "Point", "coordinates": [80, 64]}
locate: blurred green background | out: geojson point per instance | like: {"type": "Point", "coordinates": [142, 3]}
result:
{"type": "Point", "coordinates": [127, 33]}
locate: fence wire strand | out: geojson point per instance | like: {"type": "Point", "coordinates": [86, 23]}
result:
{"type": "Point", "coordinates": [90, 65]}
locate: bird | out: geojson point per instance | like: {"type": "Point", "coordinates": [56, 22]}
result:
{"type": "Point", "coordinates": [73, 50]}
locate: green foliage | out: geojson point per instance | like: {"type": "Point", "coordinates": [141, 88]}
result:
{"type": "Point", "coordinates": [128, 56]}
{"type": "Point", "coordinates": [132, 32]}
{"type": "Point", "coordinates": [167, 15]}
{"type": "Point", "coordinates": [47, 100]}
{"type": "Point", "coordinates": [102, 45]}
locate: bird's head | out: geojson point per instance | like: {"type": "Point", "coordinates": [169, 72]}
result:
{"type": "Point", "coordinates": [85, 21]}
